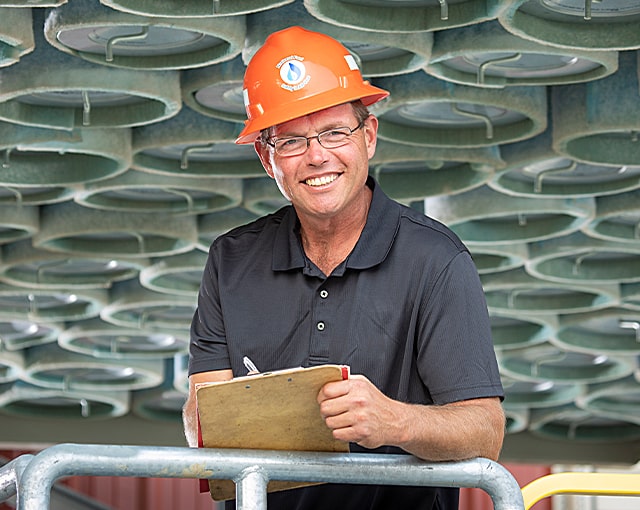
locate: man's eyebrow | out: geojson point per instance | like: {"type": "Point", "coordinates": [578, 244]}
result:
{"type": "Point", "coordinates": [327, 127]}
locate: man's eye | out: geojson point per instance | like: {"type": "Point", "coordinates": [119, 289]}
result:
{"type": "Point", "coordinates": [288, 142]}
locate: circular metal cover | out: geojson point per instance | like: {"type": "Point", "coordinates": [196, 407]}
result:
{"type": "Point", "coordinates": [21, 303]}
{"type": "Point", "coordinates": [193, 8]}
{"type": "Point", "coordinates": [105, 36]}
{"type": "Point", "coordinates": [20, 334]}
{"type": "Point", "coordinates": [50, 366]}
{"type": "Point", "coordinates": [71, 228]}
{"type": "Point", "coordinates": [100, 339]}
{"type": "Point", "coordinates": [575, 23]}
{"type": "Point", "coordinates": [545, 362]}
{"type": "Point", "coordinates": [486, 55]}
{"type": "Point", "coordinates": [31, 401]}
{"type": "Point", "coordinates": [402, 15]}
{"type": "Point", "coordinates": [571, 423]}
{"type": "Point", "coordinates": [23, 265]}
{"type": "Point", "coordinates": [422, 110]}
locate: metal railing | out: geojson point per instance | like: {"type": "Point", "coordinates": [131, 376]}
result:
{"type": "Point", "coordinates": [251, 470]}
{"type": "Point", "coordinates": [594, 484]}
{"type": "Point", "coordinates": [10, 475]}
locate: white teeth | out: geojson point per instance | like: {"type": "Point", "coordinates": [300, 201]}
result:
{"type": "Point", "coordinates": [321, 181]}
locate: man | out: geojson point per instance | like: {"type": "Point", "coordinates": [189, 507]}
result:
{"type": "Point", "coordinates": [347, 276]}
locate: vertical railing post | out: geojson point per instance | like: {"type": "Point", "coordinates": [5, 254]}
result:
{"type": "Point", "coordinates": [10, 475]}
{"type": "Point", "coordinates": [251, 489]}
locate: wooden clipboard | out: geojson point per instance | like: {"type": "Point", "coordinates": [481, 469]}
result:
{"type": "Point", "coordinates": [270, 411]}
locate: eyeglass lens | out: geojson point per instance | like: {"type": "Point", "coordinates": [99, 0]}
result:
{"type": "Point", "coordinates": [330, 139]}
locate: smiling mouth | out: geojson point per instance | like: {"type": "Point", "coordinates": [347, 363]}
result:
{"type": "Point", "coordinates": [321, 181]}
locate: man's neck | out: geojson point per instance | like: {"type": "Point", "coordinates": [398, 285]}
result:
{"type": "Point", "coordinates": [330, 241]}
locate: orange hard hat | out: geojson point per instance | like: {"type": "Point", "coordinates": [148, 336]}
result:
{"type": "Point", "coordinates": [297, 72]}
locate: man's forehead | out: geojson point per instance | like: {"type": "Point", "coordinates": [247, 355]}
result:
{"type": "Point", "coordinates": [336, 115]}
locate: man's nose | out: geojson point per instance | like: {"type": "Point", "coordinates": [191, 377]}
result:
{"type": "Point", "coordinates": [314, 147]}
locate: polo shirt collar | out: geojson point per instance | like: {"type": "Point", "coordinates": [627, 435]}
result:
{"type": "Point", "coordinates": [372, 247]}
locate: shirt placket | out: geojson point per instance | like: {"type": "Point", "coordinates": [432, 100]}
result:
{"type": "Point", "coordinates": [322, 316]}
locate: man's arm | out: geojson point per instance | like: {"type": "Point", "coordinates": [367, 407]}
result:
{"type": "Point", "coordinates": [190, 411]}
{"type": "Point", "coordinates": [358, 412]}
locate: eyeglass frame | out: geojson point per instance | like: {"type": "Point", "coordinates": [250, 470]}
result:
{"type": "Point", "coordinates": [273, 141]}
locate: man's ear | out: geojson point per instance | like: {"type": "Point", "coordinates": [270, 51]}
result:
{"type": "Point", "coordinates": [371, 135]}
{"type": "Point", "coordinates": [265, 157]}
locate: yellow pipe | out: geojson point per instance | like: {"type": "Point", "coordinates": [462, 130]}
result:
{"type": "Point", "coordinates": [599, 484]}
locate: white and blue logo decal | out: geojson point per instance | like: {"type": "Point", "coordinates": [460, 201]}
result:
{"type": "Point", "coordinates": [293, 73]}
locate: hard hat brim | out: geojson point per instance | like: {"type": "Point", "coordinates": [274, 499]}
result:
{"type": "Point", "coordinates": [365, 92]}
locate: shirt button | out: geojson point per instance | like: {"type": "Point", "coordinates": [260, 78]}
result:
{"type": "Point", "coordinates": [324, 294]}
{"type": "Point", "coordinates": [320, 326]}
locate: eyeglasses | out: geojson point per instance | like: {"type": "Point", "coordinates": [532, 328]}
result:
{"type": "Point", "coordinates": [329, 139]}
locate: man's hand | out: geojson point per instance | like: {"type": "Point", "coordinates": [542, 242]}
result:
{"type": "Point", "coordinates": [359, 412]}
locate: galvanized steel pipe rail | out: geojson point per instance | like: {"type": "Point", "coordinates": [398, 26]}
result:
{"type": "Point", "coordinates": [252, 469]}
{"type": "Point", "coordinates": [10, 475]}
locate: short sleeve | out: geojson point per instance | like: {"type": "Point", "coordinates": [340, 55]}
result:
{"type": "Point", "coordinates": [208, 346]}
{"type": "Point", "coordinates": [456, 358]}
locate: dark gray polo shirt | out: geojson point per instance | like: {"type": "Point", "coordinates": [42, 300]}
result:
{"type": "Point", "coordinates": [406, 309]}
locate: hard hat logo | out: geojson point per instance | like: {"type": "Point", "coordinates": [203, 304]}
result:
{"type": "Point", "coordinates": [293, 73]}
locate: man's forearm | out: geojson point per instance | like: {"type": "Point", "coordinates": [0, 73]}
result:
{"type": "Point", "coordinates": [457, 431]}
